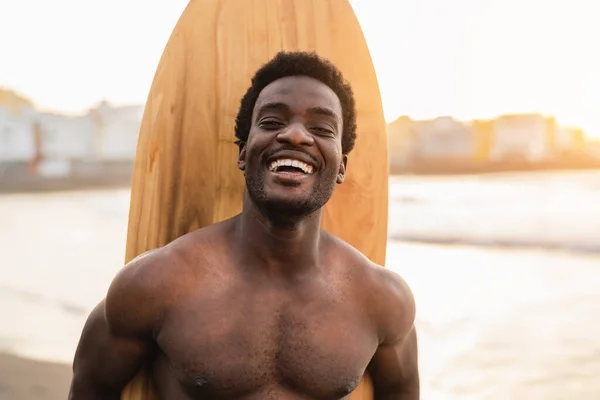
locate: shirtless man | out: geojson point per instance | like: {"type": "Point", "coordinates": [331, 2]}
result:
{"type": "Point", "coordinates": [265, 305]}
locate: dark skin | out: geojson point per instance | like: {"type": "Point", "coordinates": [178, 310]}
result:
{"type": "Point", "coordinates": [266, 304]}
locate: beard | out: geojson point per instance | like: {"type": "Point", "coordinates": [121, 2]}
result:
{"type": "Point", "coordinates": [288, 208]}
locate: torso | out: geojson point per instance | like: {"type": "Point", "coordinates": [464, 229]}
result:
{"type": "Point", "coordinates": [228, 335]}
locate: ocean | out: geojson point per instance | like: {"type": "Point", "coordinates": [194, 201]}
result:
{"type": "Point", "coordinates": [505, 270]}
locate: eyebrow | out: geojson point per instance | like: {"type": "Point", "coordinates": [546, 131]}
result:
{"type": "Point", "coordinates": [284, 107]}
{"type": "Point", "coordinates": [273, 106]}
{"type": "Point", "coordinates": [323, 111]}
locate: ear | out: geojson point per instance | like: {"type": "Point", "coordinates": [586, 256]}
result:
{"type": "Point", "coordinates": [241, 155]}
{"type": "Point", "coordinates": [342, 169]}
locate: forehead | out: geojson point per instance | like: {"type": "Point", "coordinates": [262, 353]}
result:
{"type": "Point", "coordinates": [299, 92]}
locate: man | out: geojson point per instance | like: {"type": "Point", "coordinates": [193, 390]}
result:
{"type": "Point", "coordinates": [265, 305]}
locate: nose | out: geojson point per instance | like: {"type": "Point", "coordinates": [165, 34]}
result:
{"type": "Point", "coordinates": [296, 134]}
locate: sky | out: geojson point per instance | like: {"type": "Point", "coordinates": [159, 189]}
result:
{"type": "Point", "coordinates": [464, 58]}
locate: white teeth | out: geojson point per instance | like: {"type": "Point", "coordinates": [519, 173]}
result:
{"type": "Point", "coordinates": [307, 169]}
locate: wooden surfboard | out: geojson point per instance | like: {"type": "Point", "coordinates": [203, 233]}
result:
{"type": "Point", "coordinates": [185, 174]}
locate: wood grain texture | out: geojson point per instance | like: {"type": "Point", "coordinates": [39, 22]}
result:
{"type": "Point", "coordinates": [185, 173]}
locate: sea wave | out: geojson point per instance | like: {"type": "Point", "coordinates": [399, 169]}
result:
{"type": "Point", "coordinates": [546, 211]}
{"type": "Point", "coordinates": [536, 243]}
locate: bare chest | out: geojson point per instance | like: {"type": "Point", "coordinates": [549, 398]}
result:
{"type": "Point", "coordinates": [239, 343]}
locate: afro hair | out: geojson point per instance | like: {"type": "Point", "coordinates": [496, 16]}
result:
{"type": "Point", "coordinates": [308, 64]}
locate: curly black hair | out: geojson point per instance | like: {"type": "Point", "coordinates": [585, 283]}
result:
{"type": "Point", "coordinates": [299, 63]}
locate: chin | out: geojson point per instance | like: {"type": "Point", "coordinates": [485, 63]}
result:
{"type": "Point", "coordinates": [293, 205]}
{"type": "Point", "coordinates": [278, 200]}
{"type": "Point", "coordinates": [286, 207]}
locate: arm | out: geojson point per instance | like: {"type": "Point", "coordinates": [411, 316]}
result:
{"type": "Point", "coordinates": [394, 370]}
{"type": "Point", "coordinates": [105, 361]}
{"type": "Point", "coordinates": [394, 367]}
{"type": "Point", "coordinates": [116, 339]}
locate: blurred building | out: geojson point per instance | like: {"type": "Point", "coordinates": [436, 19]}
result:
{"type": "Point", "coordinates": [40, 148]}
{"type": "Point", "coordinates": [529, 137]}
{"type": "Point", "coordinates": [593, 147]}
{"type": "Point", "coordinates": [115, 131]}
{"type": "Point", "coordinates": [443, 139]}
{"type": "Point", "coordinates": [17, 141]}
{"type": "Point", "coordinates": [484, 133]}
{"type": "Point", "coordinates": [13, 101]}
{"type": "Point", "coordinates": [508, 142]}
{"type": "Point", "coordinates": [570, 140]}
{"type": "Point", "coordinates": [400, 142]}
{"type": "Point", "coordinates": [439, 142]}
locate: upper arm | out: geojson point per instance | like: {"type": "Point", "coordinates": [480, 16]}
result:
{"type": "Point", "coordinates": [117, 338]}
{"type": "Point", "coordinates": [394, 367]}
{"type": "Point", "coordinates": [105, 361]}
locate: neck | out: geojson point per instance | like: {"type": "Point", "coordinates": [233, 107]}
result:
{"type": "Point", "coordinates": [277, 243]}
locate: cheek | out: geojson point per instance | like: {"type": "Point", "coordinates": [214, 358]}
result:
{"type": "Point", "coordinates": [252, 148]}
{"type": "Point", "coordinates": [338, 147]}
{"type": "Point", "coordinates": [257, 142]}
{"type": "Point", "coordinates": [336, 153]}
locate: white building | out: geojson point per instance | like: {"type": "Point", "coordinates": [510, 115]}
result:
{"type": "Point", "coordinates": [116, 131]}
{"type": "Point", "coordinates": [524, 136]}
{"type": "Point", "coordinates": [400, 142]}
{"type": "Point", "coordinates": [444, 138]}
{"type": "Point", "coordinates": [67, 138]}
{"type": "Point", "coordinates": [104, 134]}
{"type": "Point", "coordinates": [17, 142]}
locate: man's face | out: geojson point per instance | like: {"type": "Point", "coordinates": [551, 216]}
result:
{"type": "Point", "coordinates": [293, 157]}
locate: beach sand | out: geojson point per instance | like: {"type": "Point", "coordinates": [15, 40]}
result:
{"type": "Point", "coordinates": [25, 379]}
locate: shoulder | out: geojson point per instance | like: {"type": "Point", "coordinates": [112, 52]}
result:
{"type": "Point", "coordinates": [387, 297]}
{"type": "Point", "coordinates": [149, 284]}
{"type": "Point", "coordinates": [390, 303]}
{"type": "Point", "coordinates": [393, 302]}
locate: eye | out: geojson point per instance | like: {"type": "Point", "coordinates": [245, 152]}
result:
{"type": "Point", "coordinates": [270, 124]}
{"type": "Point", "coordinates": [323, 131]}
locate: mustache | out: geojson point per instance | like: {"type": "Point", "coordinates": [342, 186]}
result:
{"type": "Point", "coordinates": [290, 148]}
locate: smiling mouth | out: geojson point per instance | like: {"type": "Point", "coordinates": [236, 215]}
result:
{"type": "Point", "coordinates": [290, 166]}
